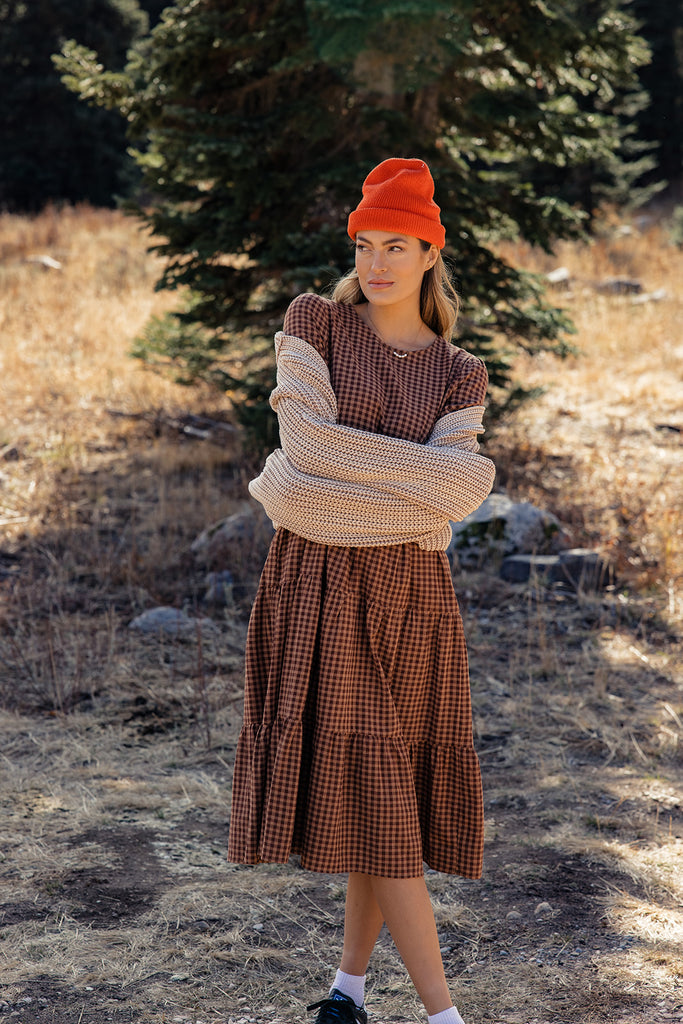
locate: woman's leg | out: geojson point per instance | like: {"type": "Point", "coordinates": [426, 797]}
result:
{"type": "Point", "coordinates": [405, 905]}
{"type": "Point", "coordinates": [363, 922]}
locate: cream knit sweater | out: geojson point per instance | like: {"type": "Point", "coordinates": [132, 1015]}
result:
{"type": "Point", "coordinates": [353, 488]}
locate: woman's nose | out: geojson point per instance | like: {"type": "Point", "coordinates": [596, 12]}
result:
{"type": "Point", "coordinates": [378, 262]}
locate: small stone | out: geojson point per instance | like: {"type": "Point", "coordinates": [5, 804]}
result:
{"type": "Point", "coordinates": [559, 278]}
{"type": "Point", "coordinates": [45, 261]}
{"type": "Point", "coordinates": [656, 296]}
{"type": "Point", "coordinates": [514, 919]}
{"type": "Point", "coordinates": [543, 910]}
{"type": "Point", "coordinates": [619, 286]}
{"type": "Point", "coordinates": [172, 622]}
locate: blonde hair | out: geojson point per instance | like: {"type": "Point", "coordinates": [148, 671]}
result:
{"type": "Point", "coordinates": [439, 302]}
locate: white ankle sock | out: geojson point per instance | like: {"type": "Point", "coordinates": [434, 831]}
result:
{"type": "Point", "coordinates": [353, 985]}
{"type": "Point", "coordinates": [449, 1016]}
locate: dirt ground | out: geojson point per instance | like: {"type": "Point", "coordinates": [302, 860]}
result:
{"type": "Point", "coordinates": [118, 903]}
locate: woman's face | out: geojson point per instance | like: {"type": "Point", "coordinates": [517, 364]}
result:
{"type": "Point", "coordinates": [391, 266]}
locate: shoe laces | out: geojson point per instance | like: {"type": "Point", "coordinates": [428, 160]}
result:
{"type": "Point", "coordinates": [338, 1009]}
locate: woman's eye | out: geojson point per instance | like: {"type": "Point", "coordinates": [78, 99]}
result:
{"type": "Point", "coordinates": [363, 250]}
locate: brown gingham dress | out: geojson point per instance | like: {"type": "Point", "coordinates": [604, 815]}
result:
{"type": "Point", "coordinates": [356, 750]}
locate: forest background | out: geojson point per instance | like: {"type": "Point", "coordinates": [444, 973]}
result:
{"type": "Point", "coordinates": [115, 747]}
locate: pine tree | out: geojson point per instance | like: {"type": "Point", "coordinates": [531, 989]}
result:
{"type": "Point", "coordinates": [662, 121]}
{"type": "Point", "coordinates": [153, 9]}
{"type": "Point", "coordinates": [53, 147]}
{"type": "Point", "coordinates": [260, 120]}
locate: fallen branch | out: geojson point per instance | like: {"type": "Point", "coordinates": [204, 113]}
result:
{"type": "Point", "coordinates": [201, 427]}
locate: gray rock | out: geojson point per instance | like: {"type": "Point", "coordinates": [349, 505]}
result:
{"type": "Point", "coordinates": [619, 286]}
{"type": "Point", "coordinates": [576, 569]}
{"type": "Point", "coordinates": [172, 622]}
{"type": "Point", "coordinates": [219, 588]}
{"type": "Point", "coordinates": [520, 568]}
{"type": "Point", "coordinates": [583, 569]}
{"type": "Point", "coordinates": [238, 544]}
{"type": "Point", "coordinates": [504, 527]}
{"type": "Point", "coordinates": [528, 528]}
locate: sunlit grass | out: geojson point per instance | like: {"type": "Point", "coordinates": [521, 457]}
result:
{"type": "Point", "coordinates": [577, 702]}
{"type": "Point", "coordinates": [614, 409]}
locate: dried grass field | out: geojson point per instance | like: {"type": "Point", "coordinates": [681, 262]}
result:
{"type": "Point", "coordinates": [117, 903]}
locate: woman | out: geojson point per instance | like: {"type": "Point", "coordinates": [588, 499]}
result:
{"type": "Point", "coordinates": [356, 751]}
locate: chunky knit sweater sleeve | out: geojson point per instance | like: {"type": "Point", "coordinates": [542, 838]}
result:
{"type": "Point", "coordinates": [338, 485]}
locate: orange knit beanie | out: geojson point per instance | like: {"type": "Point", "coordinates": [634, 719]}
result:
{"type": "Point", "coordinates": [398, 196]}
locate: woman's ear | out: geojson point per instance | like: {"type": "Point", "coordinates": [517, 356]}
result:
{"type": "Point", "coordinates": [432, 256]}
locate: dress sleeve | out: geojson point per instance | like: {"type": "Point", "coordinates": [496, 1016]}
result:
{"type": "Point", "coordinates": [468, 383]}
{"type": "Point", "coordinates": [309, 317]}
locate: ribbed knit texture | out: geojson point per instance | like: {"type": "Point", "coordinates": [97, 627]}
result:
{"type": "Point", "coordinates": [336, 485]}
{"type": "Point", "coordinates": [398, 195]}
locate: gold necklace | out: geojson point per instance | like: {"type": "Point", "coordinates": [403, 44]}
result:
{"type": "Point", "coordinates": [394, 352]}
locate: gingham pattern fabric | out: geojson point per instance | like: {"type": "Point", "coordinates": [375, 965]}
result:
{"type": "Point", "coordinates": [356, 750]}
{"type": "Point", "coordinates": [337, 485]}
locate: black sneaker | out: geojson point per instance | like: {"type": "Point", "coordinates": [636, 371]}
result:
{"type": "Point", "coordinates": [338, 1009]}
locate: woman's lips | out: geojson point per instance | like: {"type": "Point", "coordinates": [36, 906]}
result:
{"type": "Point", "coordinates": [380, 285]}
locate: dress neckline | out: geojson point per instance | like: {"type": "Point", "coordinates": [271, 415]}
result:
{"type": "Point", "coordinates": [399, 354]}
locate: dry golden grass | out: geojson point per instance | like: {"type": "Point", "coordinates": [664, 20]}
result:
{"type": "Point", "coordinates": [117, 903]}
{"type": "Point", "coordinates": [612, 413]}
{"type": "Point", "coordinates": [72, 400]}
